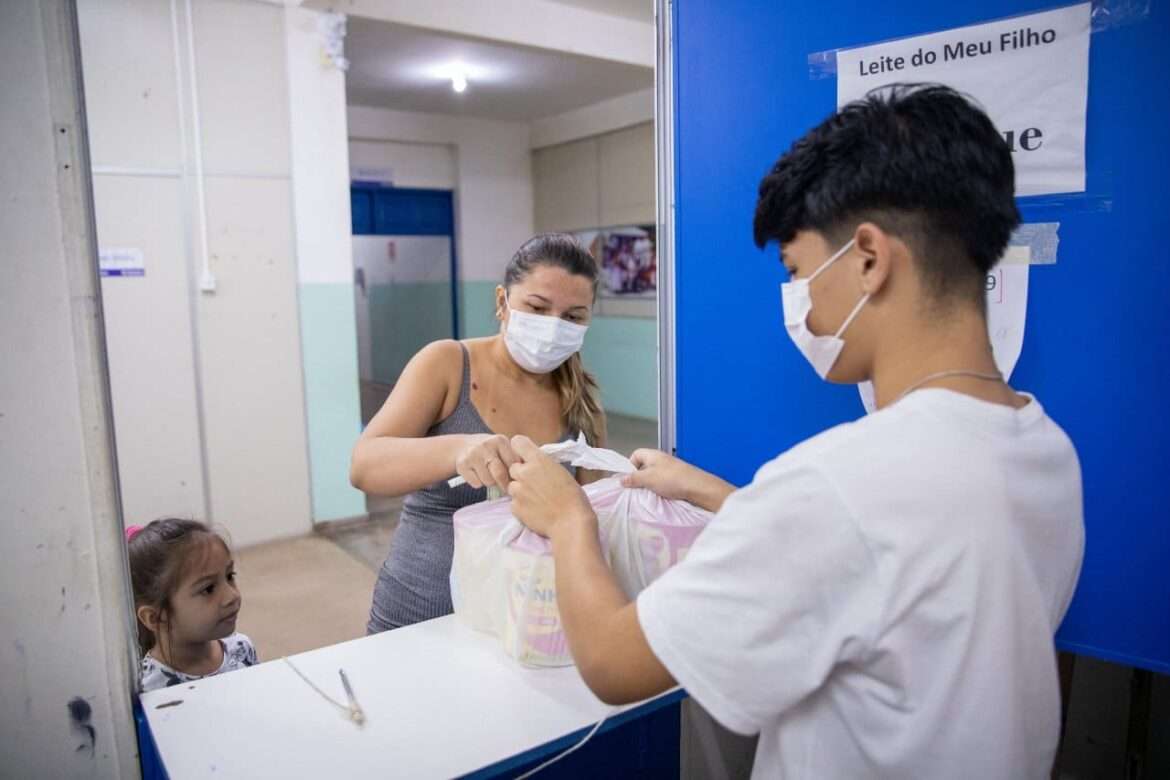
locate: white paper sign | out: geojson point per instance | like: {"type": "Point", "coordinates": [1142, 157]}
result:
{"type": "Point", "coordinates": [1007, 308]}
{"type": "Point", "coordinates": [1030, 73]}
{"type": "Point", "coordinates": [121, 262]}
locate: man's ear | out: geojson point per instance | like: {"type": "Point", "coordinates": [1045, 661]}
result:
{"type": "Point", "coordinates": [877, 249]}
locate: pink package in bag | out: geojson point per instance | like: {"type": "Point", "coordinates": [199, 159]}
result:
{"type": "Point", "coordinates": [503, 580]}
{"type": "Point", "coordinates": [643, 534]}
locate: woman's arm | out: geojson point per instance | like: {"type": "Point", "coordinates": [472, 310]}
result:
{"type": "Point", "coordinates": [394, 456]}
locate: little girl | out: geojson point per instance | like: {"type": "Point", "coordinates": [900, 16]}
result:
{"type": "Point", "coordinates": [186, 602]}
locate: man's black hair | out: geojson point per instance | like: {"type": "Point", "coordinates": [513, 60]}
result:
{"type": "Point", "coordinates": [919, 160]}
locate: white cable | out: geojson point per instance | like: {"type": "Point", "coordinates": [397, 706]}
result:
{"type": "Point", "coordinates": [313, 685]}
{"type": "Point", "coordinates": [351, 710]}
{"type": "Point", "coordinates": [580, 744]}
{"type": "Point", "coordinates": [206, 280]}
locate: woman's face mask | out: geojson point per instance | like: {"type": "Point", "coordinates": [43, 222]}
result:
{"type": "Point", "coordinates": [540, 344]}
{"type": "Point", "coordinates": [821, 351]}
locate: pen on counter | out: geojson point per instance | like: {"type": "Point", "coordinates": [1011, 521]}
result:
{"type": "Point", "coordinates": [355, 710]}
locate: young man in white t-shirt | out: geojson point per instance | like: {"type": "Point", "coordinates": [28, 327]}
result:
{"type": "Point", "coordinates": [881, 600]}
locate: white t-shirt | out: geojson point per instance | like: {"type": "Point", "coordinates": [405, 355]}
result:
{"type": "Point", "coordinates": [881, 600]}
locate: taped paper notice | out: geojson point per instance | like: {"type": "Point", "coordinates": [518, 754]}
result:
{"type": "Point", "coordinates": [1007, 309]}
{"type": "Point", "coordinates": [121, 262]}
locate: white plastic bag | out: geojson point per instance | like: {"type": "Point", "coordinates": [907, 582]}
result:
{"type": "Point", "coordinates": [643, 534]}
{"type": "Point", "coordinates": [503, 580]}
{"type": "Point", "coordinates": [576, 452]}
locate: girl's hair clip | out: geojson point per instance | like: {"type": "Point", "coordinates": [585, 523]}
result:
{"type": "Point", "coordinates": [132, 531]}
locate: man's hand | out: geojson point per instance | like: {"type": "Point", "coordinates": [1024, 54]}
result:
{"type": "Point", "coordinates": [544, 494]}
{"type": "Point", "coordinates": [671, 477]}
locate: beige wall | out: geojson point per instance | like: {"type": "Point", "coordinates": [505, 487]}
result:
{"type": "Point", "coordinates": [257, 450]}
{"type": "Point", "coordinates": [150, 348]}
{"type": "Point", "coordinates": [200, 378]}
{"type": "Point", "coordinates": [633, 108]}
{"type": "Point", "coordinates": [429, 166]}
{"type": "Point", "coordinates": [626, 173]}
{"type": "Point", "coordinates": [602, 180]}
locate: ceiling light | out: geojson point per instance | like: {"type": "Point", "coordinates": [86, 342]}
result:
{"type": "Point", "coordinates": [458, 74]}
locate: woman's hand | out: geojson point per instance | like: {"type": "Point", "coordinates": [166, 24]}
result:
{"type": "Point", "coordinates": [673, 478]}
{"type": "Point", "coordinates": [485, 461]}
{"type": "Point", "coordinates": [544, 495]}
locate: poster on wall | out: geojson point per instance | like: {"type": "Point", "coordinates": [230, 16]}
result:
{"type": "Point", "coordinates": [628, 260]}
{"type": "Point", "coordinates": [1030, 73]}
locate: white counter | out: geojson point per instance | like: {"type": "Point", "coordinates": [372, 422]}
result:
{"type": "Point", "coordinates": [441, 700]}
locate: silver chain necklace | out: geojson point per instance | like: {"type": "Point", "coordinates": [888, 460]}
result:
{"type": "Point", "coordinates": [996, 377]}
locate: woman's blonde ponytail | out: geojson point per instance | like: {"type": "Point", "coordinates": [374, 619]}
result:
{"type": "Point", "coordinates": [580, 405]}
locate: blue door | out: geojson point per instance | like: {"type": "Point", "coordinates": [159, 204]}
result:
{"type": "Point", "coordinates": [405, 274]}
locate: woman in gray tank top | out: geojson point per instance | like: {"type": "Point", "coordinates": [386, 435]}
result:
{"type": "Point", "coordinates": [455, 408]}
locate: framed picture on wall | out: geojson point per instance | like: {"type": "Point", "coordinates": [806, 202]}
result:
{"type": "Point", "coordinates": [628, 261]}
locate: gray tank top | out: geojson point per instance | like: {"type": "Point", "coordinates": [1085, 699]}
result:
{"type": "Point", "coordinates": [413, 584]}
{"type": "Point", "coordinates": [437, 502]}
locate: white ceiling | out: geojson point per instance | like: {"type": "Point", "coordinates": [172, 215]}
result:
{"type": "Point", "coordinates": [392, 66]}
{"type": "Point", "coordinates": [638, 10]}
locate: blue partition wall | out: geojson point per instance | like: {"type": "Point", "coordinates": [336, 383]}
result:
{"type": "Point", "coordinates": [1097, 344]}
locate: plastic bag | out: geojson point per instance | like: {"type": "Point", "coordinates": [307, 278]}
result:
{"type": "Point", "coordinates": [503, 580]}
{"type": "Point", "coordinates": [643, 534]}
{"type": "Point", "coordinates": [578, 453]}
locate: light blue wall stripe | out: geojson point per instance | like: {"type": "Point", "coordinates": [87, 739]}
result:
{"type": "Point", "coordinates": [622, 353]}
{"type": "Point", "coordinates": [329, 345]}
{"type": "Point", "coordinates": [477, 310]}
{"type": "Point", "coordinates": [404, 318]}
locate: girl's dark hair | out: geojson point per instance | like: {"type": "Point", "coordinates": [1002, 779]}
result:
{"type": "Point", "coordinates": [156, 564]}
{"type": "Point", "coordinates": [920, 160]}
{"type": "Point", "coordinates": [580, 406]}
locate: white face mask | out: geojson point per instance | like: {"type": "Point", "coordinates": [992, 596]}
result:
{"type": "Point", "coordinates": [868, 397]}
{"type": "Point", "coordinates": [540, 344]}
{"type": "Point", "coordinates": [821, 351]}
